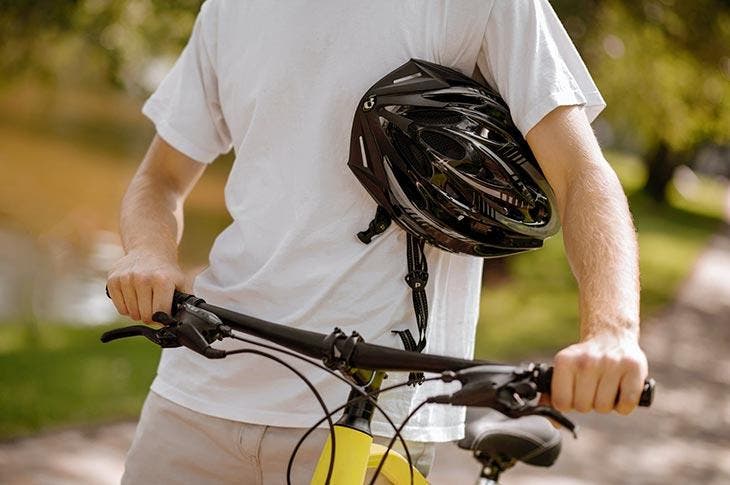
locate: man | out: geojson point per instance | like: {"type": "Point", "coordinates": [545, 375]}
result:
{"type": "Point", "coordinates": [279, 83]}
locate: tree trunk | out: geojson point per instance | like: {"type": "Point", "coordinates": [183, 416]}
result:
{"type": "Point", "coordinates": [660, 165]}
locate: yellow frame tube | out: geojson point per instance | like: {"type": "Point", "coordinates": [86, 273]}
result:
{"type": "Point", "coordinates": [351, 457]}
{"type": "Point", "coordinates": [355, 453]}
{"type": "Point", "coordinates": [395, 468]}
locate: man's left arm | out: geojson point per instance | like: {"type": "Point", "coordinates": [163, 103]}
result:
{"type": "Point", "coordinates": [602, 251]}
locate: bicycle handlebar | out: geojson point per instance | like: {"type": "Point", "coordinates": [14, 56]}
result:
{"type": "Point", "coordinates": [335, 349]}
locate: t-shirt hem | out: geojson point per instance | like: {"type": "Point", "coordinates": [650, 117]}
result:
{"type": "Point", "coordinates": [435, 434]}
{"type": "Point", "coordinates": [592, 102]}
{"type": "Point", "coordinates": [180, 142]}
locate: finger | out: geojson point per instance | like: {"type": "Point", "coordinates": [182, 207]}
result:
{"type": "Point", "coordinates": [608, 387]}
{"type": "Point", "coordinates": [586, 382]}
{"type": "Point", "coordinates": [130, 299]}
{"type": "Point", "coordinates": [115, 293]}
{"type": "Point", "coordinates": [561, 390]}
{"type": "Point", "coordinates": [632, 383]}
{"type": "Point", "coordinates": [144, 301]}
{"type": "Point", "coordinates": [162, 297]}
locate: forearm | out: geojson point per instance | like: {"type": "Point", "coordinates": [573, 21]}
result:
{"type": "Point", "coordinates": [151, 218]}
{"type": "Point", "coordinates": [601, 246]}
{"type": "Point", "coordinates": [600, 242]}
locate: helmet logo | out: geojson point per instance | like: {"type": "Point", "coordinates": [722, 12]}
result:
{"type": "Point", "coordinates": [368, 104]}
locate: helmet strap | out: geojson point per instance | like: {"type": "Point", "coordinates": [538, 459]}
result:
{"type": "Point", "coordinates": [416, 278]}
{"type": "Point", "coordinates": [377, 226]}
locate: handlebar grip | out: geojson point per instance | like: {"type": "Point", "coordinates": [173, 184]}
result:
{"type": "Point", "coordinates": [177, 297]}
{"type": "Point", "coordinates": [545, 380]}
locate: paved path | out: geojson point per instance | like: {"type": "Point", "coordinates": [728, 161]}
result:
{"type": "Point", "coordinates": [683, 438]}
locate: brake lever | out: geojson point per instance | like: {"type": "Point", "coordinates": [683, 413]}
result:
{"type": "Point", "coordinates": [514, 394]}
{"type": "Point", "coordinates": [163, 337]}
{"type": "Point", "coordinates": [193, 328]}
{"type": "Point", "coordinates": [558, 417]}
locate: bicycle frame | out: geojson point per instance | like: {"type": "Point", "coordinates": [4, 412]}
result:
{"type": "Point", "coordinates": [355, 451]}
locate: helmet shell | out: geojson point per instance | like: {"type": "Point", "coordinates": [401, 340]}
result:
{"type": "Point", "coordinates": [441, 154]}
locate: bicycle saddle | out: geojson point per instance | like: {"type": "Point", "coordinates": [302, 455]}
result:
{"type": "Point", "coordinates": [529, 439]}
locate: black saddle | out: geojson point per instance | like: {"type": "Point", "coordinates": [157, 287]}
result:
{"type": "Point", "coordinates": [529, 439]}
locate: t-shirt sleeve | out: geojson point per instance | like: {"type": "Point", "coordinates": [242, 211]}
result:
{"type": "Point", "coordinates": [185, 108]}
{"type": "Point", "coordinates": [527, 55]}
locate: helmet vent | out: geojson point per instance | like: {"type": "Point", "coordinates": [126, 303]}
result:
{"type": "Point", "coordinates": [412, 153]}
{"type": "Point", "coordinates": [493, 136]}
{"type": "Point", "coordinates": [407, 78]}
{"type": "Point", "coordinates": [455, 98]}
{"type": "Point", "coordinates": [434, 117]}
{"type": "Point", "coordinates": [444, 145]}
{"type": "Point", "coordinates": [363, 154]}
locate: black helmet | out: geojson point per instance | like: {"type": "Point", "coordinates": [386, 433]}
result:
{"type": "Point", "coordinates": [440, 153]}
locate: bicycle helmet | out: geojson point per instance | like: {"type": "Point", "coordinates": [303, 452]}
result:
{"type": "Point", "coordinates": [441, 155]}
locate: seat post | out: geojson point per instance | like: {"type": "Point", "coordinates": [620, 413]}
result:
{"type": "Point", "coordinates": [492, 467]}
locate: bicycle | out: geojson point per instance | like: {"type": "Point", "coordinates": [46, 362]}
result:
{"type": "Point", "coordinates": [349, 450]}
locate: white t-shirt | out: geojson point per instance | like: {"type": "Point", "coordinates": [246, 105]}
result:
{"type": "Point", "coordinates": [279, 83]}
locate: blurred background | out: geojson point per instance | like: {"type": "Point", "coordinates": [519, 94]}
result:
{"type": "Point", "coordinates": [73, 76]}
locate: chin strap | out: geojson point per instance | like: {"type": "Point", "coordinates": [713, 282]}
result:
{"type": "Point", "coordinates": [416, 278]}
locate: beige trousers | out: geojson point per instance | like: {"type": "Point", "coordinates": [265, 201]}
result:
{"type": "Point", "coordinates": [174, 445]}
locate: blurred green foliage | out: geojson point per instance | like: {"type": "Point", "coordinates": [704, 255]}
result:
{"type": "Point", "coordinates": [59, 375]}
{"type": "Point", "coordinates": [92, 41]}
{"type": "Point", "coordinates": [664, 68]}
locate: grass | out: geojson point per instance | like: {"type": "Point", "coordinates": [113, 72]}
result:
{"type": "Point", "coordinates": [55, 375]}
{"type": "Point", "coordinates": [536, 311]}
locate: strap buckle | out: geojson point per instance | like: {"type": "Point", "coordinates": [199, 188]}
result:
{"type": "Point", "coordinates": [417, 279]}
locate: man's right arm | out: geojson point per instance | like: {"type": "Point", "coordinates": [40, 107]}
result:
{"type": "Point", "coordinates": [151, 224]}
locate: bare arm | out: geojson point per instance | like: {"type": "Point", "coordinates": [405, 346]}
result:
{"type": "Point", "coordinates": [143, 280]}
{"type": "Point", "coordinates": [601, 246]}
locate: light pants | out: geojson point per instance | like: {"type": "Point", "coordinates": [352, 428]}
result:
{"type": "Point", "coordinates": [174, 445]}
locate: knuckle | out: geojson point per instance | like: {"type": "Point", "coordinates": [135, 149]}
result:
{"type": "Point", "coordinates": [632, 365]}
{"type": "Point", "coordinates": [586, 361]}
{"type": "Point", "coordinates": [159, 277]}
{"type": "Point", "coordinates": [125, 279]}
{"type": "Point", "coordinates": [112, 280]}
{"type": "Point", "coordinates": [142, 279]}
{"type": "Point", "coordinates": [611, 361]}
{"type": "Point", "coordinates": [562, 359]}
